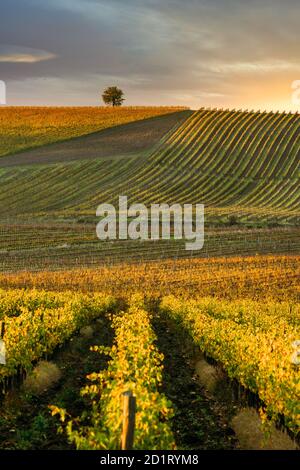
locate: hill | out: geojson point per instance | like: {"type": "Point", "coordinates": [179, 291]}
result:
{"type": "Point", "coordinates": [27, 127]}
{"type": "Point", "coordinates": [244, 166]}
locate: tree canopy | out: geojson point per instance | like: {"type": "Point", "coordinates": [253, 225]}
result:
{"type": "Point", "coordinates": [113, 96]}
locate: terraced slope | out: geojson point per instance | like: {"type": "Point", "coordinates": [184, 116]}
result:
{"type": "Point", "coordinates": [237, 163]}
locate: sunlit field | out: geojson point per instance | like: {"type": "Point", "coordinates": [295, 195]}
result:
{"type": "Point", "coordinates": [198, 337]}
{"type": "Point", "coordinates": [23, 128]}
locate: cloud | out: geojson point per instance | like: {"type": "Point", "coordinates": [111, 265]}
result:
{"type": "Point", "coordinates": [19, 54]}
{"type": "Point", "coordinates": [255, 67]}
{"type": "Point", "coordinates": [204, 51]}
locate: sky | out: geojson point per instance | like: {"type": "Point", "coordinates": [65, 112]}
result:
{"type": "Point", "coordinates": [240, 54]}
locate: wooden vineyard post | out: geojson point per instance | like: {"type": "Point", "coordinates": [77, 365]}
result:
{"type": "Point", "coordinates": [2, 344]}
{"type": "Point", "coordinates": [129, 409]}
{"type": "Point", "coordinates": [2, 330]}
{"type": "Point", "coordinates": [2, 351]}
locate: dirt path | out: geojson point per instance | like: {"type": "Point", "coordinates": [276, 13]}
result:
{"type": "Point", "coordinates": [123, 140]}
{"type": "Point", "coordinates": [198, 422]}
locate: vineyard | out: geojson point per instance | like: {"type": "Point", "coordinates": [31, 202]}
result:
{"type": "Point", "coordinates": [239, 163]}
{"type": "Point", "coordinates": [61, 246]}
{"type": "Point", "coordinates": [259, 277]}
{"type": "Point", "coordinates": [195, 337]}
{"type": "Point", "coordinates": [133, 357]}
{"type": "Point", "coordinates": [251, 340]}
{"type": "Point", "coordinates": [36, 323]}
{"type": "Point", "coordinates": [253, 343]}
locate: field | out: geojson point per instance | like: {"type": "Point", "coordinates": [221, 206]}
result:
{"type": "Point", "coordinates": [215, 332]}
{"type": "Point", "coordinates": [241, 164]}
{"type": "Point", "coordinates": [23, 128]}
{"type": "Point", "coordinates": [251, 339]}
{"type": "Point", "coordinates": [258, 277]}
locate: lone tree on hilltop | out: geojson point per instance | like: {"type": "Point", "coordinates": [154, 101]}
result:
{"type": "Point", "coordinates": [113, 96]}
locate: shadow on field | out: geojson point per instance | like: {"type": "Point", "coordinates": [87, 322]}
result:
{"type": "Point", "coordinates": [118, 141]}
{"type": "Point", "coordinates": [198, 423]}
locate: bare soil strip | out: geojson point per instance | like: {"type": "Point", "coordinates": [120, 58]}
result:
{"type": "Point", "coordinates": [123, 140]}
{"type": "Point", "coordinates": [199, 423]}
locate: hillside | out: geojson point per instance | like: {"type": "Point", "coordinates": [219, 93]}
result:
{"type": "Point", "coordinates": [244, 166]}
{"type": "Point", "coordinates": [240, 163]}
{"type": "Point", "coordinates": [27, 127]}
